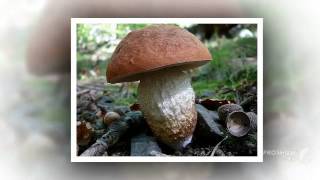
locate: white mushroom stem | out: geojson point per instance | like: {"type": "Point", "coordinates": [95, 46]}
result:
{"type": "Point", "coordinates": [168, 103]}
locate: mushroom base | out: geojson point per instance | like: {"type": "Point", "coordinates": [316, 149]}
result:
{"type": "Point", "coordinates": [168, 103]}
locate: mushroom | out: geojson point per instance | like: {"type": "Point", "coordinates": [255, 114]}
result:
{"type": "Point", "coordinates": [160, 56]}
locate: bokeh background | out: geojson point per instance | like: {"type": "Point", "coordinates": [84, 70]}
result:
{"type": "Point", "coordinates": [35, 118]}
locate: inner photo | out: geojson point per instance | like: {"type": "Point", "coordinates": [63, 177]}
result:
{"type": "Point", "coordinates": [166, 89]}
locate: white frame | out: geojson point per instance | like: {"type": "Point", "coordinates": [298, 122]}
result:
{"type": "Point", "coordinates": [258, 21]}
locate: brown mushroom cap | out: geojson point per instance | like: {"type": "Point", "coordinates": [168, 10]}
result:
{"type": "Point", "coordinates": [154, 48]}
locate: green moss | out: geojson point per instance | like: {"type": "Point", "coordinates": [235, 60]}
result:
{"type": "Point", "coordinates": [201, 87]}
{"type": "Point", "coordinates": [228, 50]}
{"type": "Point", "coordinates": [125, 101]}
{"type": "Point", "coordinates": [227, 70]}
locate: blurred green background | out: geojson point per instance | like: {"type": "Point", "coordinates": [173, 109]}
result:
{"type": "Point", "coordinates": [233, 48]}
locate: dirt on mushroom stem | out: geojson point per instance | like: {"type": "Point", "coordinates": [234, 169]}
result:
{"type": "Point", "coordinates": [168, 102]}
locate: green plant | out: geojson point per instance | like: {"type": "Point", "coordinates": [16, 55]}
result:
{"type": "Point", "coordinates": [228, 69]}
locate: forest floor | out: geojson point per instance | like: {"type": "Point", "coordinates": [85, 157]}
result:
{"type": "Point", "coordinates": [95, 98]}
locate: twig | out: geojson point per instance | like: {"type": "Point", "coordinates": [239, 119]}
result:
{"type": "Point", "coordinates": [97, 88]}
{"type": "Point", "coordinates": [82, 92]}
{"type": "Point", "coordinates": [132, 120]}
{"type": "Point", "coordinates": [217, 146]}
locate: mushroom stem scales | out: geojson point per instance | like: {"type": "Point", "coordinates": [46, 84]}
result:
{"type": "Point", "coordinates": [168, 103]}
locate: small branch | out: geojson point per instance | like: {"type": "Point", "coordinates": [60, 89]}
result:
{"type": "Point", "coordinates": [97, 88]}
{"type": "Point", "coordinates": [97, 149]}
{"type": "Point", "coordinates": [82, 92]}
{"type": "Point", "coordinates": [217, 146]}
{"type": "Point", "coordinates": [132, 120]}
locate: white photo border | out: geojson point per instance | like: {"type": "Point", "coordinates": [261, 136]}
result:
{"type": "Point", "coordinates": [257, 21]}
